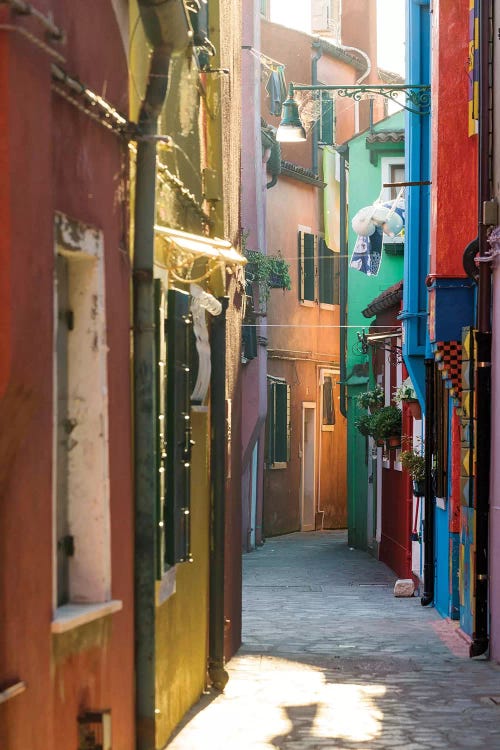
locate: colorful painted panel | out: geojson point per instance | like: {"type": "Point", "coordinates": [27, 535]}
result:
{"type": "Point", "coordinates": [467, 569]}
{"type": "Point", "coordinates": [473, 66]}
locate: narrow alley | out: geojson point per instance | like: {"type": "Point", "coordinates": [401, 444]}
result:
{"type": "Point", "coordinates": [331, 659]}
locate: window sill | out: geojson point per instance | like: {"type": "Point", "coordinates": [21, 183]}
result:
{"type": "Point", "coordinates": [327, 306]}
{"type": "Point", "coordinates": [307, 302]}
{"type": "Point", "coordinates": [71, 616]}
{"type": "Point", "coordinates": [278, 465]}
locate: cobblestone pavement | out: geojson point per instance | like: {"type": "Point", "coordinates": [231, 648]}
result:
{"type": "Point", "coordinates": [331, 659]}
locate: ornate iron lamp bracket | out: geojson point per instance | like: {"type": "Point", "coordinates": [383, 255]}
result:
{"type": "Point", "coordinates": [418, 97]}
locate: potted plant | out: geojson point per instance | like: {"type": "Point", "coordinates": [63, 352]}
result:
{"type": "Point", "coordinates": [372, 400]}
{"type": "Point", "coordinates": [387, 426]}
{"type": "Point", "coordinates": [405, 393]}
{"type": "Point", "coordinates": [364, 424]}
{"type": "Point", "coordinates": [414, 463]}
{"type": "Point", "coordinates": [268, 272]}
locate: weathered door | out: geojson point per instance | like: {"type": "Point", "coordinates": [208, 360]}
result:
{"type": "Point", "coordinates": [308, 495]}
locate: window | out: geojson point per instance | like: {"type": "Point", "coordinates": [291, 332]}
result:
{"type": "Point", "coordinates": [249, 328]}
{"type": "Point", "coordinates": [307, 271]}
{"type": "Point", "coordinates": [319, 271]}
{"type": "Point", "coordinates": [81, 446]}
{"type": "Point", "coordinates": [278, 416]}
{"type": "Point", "coordinates": [161, 438]}
{"type": "Point", "coordinates": [328, 402]}
{"type": "Point", "coordinates": [326, 124]}
{"type": "Point", "coordinates": [393, 170]}
{"type": "Point", "coordinates": [329, 274]}
{"type": "Point", "coordinates": [397, 174]}
{"type": "Point", "coordinates": [178, 430]}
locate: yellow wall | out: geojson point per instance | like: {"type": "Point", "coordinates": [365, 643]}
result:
{"type": "Point", "coordinates": [182, 621]}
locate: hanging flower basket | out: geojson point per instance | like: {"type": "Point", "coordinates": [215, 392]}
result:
{"type": "Point", "coordinates": [393, 441]}
{"type": "Point", "coordinates": [419, 488]}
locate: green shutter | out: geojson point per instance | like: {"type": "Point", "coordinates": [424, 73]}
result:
{"type": "Point", "coordinates": [326, 273]}
{"type": "Point", "coordinates": [278, 416]}
{"type": "Point", "coordinates": [306, 266]}
{"type": "Point", "coordinates": [178, 461]}
{"type": "Point", "coordinates": [160, 385]}
{"type": "Point", "coordinates": [327, 121]}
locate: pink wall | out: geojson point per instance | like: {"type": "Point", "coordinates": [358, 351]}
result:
{"type": "Point", "coordinates": [53, 157]}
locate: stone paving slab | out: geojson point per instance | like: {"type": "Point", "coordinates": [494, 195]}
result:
{"type": "Point", "coordinates": [331, 659]}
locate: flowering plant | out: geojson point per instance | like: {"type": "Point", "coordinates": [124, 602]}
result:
{"type": "Point", "coordinates": [404, 392]}
{"type": "Point", "coordinates": [371, 399]}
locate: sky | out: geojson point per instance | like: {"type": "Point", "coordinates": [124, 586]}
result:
{"type": "Point", "coordinates": [391, 14]}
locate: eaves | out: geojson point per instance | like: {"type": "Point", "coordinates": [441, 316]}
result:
{"type": "Point", "coordinates": [296, 172]}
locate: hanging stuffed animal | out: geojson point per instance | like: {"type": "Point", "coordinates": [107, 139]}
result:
{"type": "Point", "coordinates": [370, 224]}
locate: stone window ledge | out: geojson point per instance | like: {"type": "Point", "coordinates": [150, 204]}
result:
{"type": "Point", "coordinates": [70, 616]}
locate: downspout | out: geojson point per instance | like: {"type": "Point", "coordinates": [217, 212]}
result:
{"type": "Point", "coordinates": [216, 671]}
{"type": "Point", "coordinates": [428, 534]}
{"type": "Point", "coordinates": [163, 34]}
{"type": "Point", "coordinates": [360, 80]}
{"type": "Point", "coordinates": [343, 152]}
{"type": "Point", "coordinates": [314, 80]}
{"type": "Point", "coordinates": [482, 378]}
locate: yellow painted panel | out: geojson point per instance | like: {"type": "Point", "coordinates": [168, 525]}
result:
{"type": "Point", "coordinates": [182, 621]}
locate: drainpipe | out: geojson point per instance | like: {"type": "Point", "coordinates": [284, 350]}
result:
{"type": "Point", "coordinates": [167, 30]}
{"type": "Point", "coordinates": [428, 540]}
{"type": "Point", "coordinates": [216, 671]}
{"type": "Point", "coordinates": [344, 153]}
{"type": "Point", "coordinates": [483, 340]}
{"type": "Point", "coordinates": [360, 80]}
{"type": "Point", "coordinates": [314, 80]}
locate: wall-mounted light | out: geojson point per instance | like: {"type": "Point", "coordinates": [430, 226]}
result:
{"type": "Point", "coordinates": [290, 128]}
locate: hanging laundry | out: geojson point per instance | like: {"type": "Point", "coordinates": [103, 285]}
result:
{"type": "Point", "coordinates": [276, 89]}
{"type": "Point", "coordinates": [367, 253]}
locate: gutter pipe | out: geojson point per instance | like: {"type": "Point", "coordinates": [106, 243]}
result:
{"type": "Point", "coordinates": [480, 639]}
{"type": "Point", "coordinates": [343, 152]}
{"type": "Point", "coordinates": [428, 534]}
{"type": "Point", "coordinates": [314, 80]}
{"type": "Point", "coordinates": [217, 673]}
{"type": "Point", "coordinates": [168, 31]}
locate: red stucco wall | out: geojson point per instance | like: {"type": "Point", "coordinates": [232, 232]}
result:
{"type": "Point", "coordinates": [454, 152]}
{"type": "Point", "coordinates": [54, 158]}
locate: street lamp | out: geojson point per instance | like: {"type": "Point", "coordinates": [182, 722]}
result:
{"type": "Point", "coordinates": [291, 128]}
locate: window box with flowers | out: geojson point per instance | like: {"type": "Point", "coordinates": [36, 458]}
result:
{"type": "Point", "coordinates": [386, 426]}
{"type": "Point", "coordinates": [406, 394]}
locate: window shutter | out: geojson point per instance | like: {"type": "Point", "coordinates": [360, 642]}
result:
{"type": "Point", "coordinates": [249, 338]}
{"type": "Point", "coordinates": [306, 266]}
{"type": "Point", "coordinates": [178, 462]}
{"type": "Point", "coordinates": [278, 415]}
{"type": "Point", "coordinates": [161, 444]}
{"type": "Point", "coordinates": [326, 273]}
{"type": "Point", "coordinates": [327, 121]}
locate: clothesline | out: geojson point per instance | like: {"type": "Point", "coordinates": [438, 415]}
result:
{"type": "Point", "coordinates": [264, 59]}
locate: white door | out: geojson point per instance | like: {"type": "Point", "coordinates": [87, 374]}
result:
{"type": "Point", "coordinates": [308, 495]}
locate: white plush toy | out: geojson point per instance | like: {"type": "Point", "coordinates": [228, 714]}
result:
{"type": "Point", "coordinates": [362, 222]}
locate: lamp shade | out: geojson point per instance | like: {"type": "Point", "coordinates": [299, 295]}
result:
{"type": "Point", "coordinates": [290, 128]}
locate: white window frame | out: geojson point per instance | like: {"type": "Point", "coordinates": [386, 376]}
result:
{"type": "Point", "coordinates": [88, 500]}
